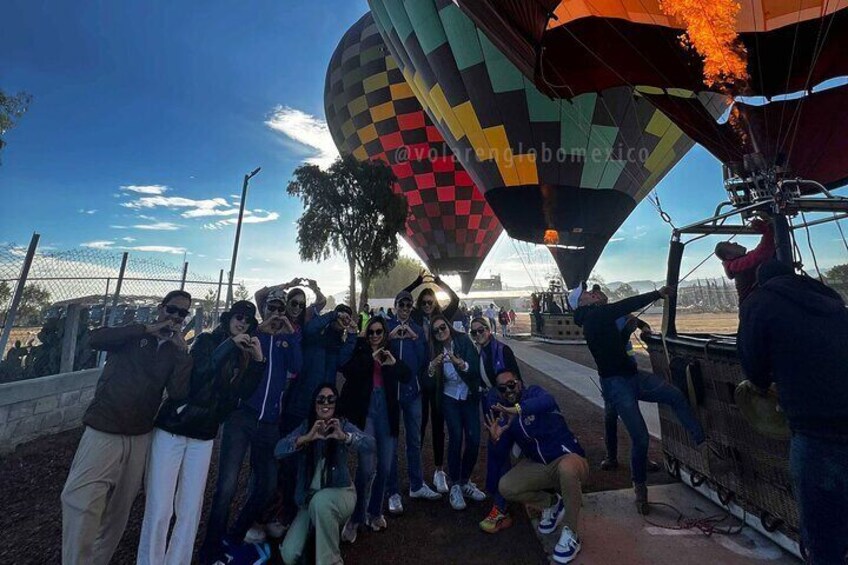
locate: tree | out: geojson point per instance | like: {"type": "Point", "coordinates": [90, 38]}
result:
{"type": "Point", "coordinates": [11, 110]}
{"type": "Point", "coordinates": [623, 291]}
{"type": "Point", "coordinates": [404, 272]}
{"type": "Point", "coordinates": [241, 293]}
{"type": "Point", "coordinates": [34, 300]}
{"type": "Point", "coordinates": [5, 293]}
{"type": "Point", "coordinates": [208, 301]}
{"type": "Point", "coordinates": [331, 304]}
{"type": "Point", "coordinates": [839, 273]}
{"type": "Point", "coordinates": [350, 210]}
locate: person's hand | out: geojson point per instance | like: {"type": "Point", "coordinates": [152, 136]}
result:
{"type": "Point", "coordinates": [667, 291]}
{"type": "Point", "coordinates": [179, 341]}
{"type": "Point", "coordinates": [759, 225]}
{"type": "Point", "coordinates": [256, 349]}
{"type": "Point", "coordinates": [410, 334]}
{"type": "Point", "coordinates": [353, 328]}
{"type": "Point", "coordinates": [157, 328]}
{"type": "Point", "coordinates": [646, 331]}
{"type": "Point", "coordinates": [505, 409]}
{"type": "Point", "coordinates": [242, 341]}
{"type": "Point", "coordinates": [267, 325]}
{"type": "Point", "coordinates": [287, 327]}
{"type": "Point", "coordinates": [494, 427]}
{"type": "Point", "coordinates": [457, 361]}
{"type": "Point", "coordinates": [400, 332]}
{"type": "Point", "coordinates": [436, 362]}
{"type": "Point", "coordinates": [312, 284]}
{"type": "Point", "coordinates": [333, 430]}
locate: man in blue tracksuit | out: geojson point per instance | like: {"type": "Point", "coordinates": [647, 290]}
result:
{"type": "Point", "coordinates": [553, 459]}
{"type": "Point", "coordinates": [255, 425]}
{"type": "Point", "coordinates": [408, 344]}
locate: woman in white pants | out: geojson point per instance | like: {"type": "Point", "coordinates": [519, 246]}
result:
{"type": "Point", "coordinates": [227, 362]}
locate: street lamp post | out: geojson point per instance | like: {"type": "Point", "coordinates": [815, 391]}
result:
{"type": "Point", "coordinates": [247, 178]}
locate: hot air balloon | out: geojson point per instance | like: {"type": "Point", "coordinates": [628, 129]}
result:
{"type": "Point", "coordinates": [373, 114]}
{"type": "Point", "coordinates": [563, 173]}
{"type": "Point", "coordinates": [773, 61]}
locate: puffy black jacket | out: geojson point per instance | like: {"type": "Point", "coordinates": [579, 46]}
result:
{"type": "Point", "coordinates": [793, 330]}
{"type": "Point", "coordinates": [221, 376]}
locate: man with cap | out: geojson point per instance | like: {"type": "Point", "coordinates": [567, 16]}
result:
{"type": "Point", "coordinates": [408, 345]}
{"type": "Point", "coordinates": [623, 386]}
{"type": "Point", "coordinates": [255, 425]}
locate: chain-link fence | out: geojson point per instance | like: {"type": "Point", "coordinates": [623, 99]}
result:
{"type": "Point", "coordinates": [101, 287]}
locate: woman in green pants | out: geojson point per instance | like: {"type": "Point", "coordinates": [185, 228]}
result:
{"type": "Point", "coordinates": [324, 491]}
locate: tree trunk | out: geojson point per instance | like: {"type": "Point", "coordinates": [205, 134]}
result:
{"type": "Point", "coordinates": [363, 296]}
{"type": "Point", "coordinates": [351, 263]}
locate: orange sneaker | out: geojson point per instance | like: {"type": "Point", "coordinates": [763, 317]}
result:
{"type": "Point", "coordinates": [495, 521]}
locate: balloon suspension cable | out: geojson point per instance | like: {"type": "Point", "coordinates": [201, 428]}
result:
{"type": "Point", "coordinates": [810, 245]}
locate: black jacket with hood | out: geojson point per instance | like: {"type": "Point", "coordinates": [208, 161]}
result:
{"type": "Point", "coordinates": [794, 331]}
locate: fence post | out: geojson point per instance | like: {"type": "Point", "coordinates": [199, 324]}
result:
{"type": "Point", "coordinates": [198, 321]}
{"type": "Point", "coordinates": [185, 272]}
{"type": "Point", "coordinates": [105, 303]}
{"type": "Point", "coordinates": [69, 338]}
{"type": "Point", "coordinates": [218, 296]}
{"type": "Point", "coordinates": [19, 291]}
{"type": "Point", "coordinates": [101, 358]}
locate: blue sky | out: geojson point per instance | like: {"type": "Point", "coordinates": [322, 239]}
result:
{"type": "Point", "coordinates": [147, 114]}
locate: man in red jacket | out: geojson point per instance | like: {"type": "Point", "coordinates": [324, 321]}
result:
{"type": "Point", "coordinates": [740, 264]}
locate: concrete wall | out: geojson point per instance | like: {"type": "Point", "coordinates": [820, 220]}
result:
{"type": "Point", "coordinates": [46, 405]}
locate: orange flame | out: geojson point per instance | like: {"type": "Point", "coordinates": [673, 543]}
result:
{"type": "Point", "coordinates": [551, 237]}
{"type": "Point", "coordinates": [711, 31]}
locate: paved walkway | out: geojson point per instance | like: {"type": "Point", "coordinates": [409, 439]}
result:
{"type": "Point", "coordinates": [579, 378]}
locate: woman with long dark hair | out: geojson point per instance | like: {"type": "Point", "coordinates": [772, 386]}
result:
{"type": "Point", "coordinates": [324, 491]}
{"type": "Point", "coordinates": [455, 371]}
{"type": "Point", "coordinates": [227, 363]}
{"type": "Point", "coordinates": [426, 307]}
{"type": "Point", "coordinates": [369, 399]}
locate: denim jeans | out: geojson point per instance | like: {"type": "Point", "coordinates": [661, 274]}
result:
{"type": "Point", "coordinates": [371, 475]}
{"type": "Point", "coordinates": [431, 409]}
{"type": "Point", "coordinates": [610, 430]}
{"type": "Point", "coordinates": [410, 407]}
{"type": "Point", "coordinates": [463, 420]}
{"type": "Point", "coordinates": [819, 470]}
{"type": "Point", "coordinates": [242, 430]}
{"type": "Point", "coordinates": [624, 394]}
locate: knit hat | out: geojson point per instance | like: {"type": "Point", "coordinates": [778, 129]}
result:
{"type": "Point", "coordinates": [276, 294]}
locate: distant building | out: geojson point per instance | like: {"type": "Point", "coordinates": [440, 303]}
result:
{"type": "Point", "coordinates": [493, 283]}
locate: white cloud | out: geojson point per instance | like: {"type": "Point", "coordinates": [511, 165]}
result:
{"type": "Point", "coordinates": [110, 245]}
{"type": "Point", "coordinates": [84, 211]}
{"type": "Point", "coordinates": [128, 239]}
{"type": "Point", "coordinates": [249, 218]}
{"type": "Point", "coordinates": [145, 189]}
{"type": "Point", "coordinates": [158, 226]}
{"type": "Point", "coordinates": [307, 130]}
{"type": "Point", "coordinates": [98, 244]}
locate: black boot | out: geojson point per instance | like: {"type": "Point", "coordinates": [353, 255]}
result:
{"type": "Point", "coordinates": [641, 490]}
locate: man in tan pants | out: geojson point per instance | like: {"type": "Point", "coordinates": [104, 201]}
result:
{"type": "Point", "coordinates": [553, 459]}
{"type": "Point", "coordinates": [106, 474]}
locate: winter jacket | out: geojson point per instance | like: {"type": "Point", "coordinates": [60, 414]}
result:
{"type": "Point", "coordinates": [540, 430]}
{"type": "Point", "coordinates": [606, 341]}
{"type": "Point", "coordinates": [283, 360]}
{"type": "Point", "coordinates": [221, 373]}
{"type": "Point", "coordinates": [413, 354]}
{"type": "Point", "coordinates": [338, 474]}
{"type": "Point", "coordinates": [463, 348]}
{"type": "Point", "coordinates": [743, 270]}
{"type": "Point", "coordinates": [794, 331]}
{"type": "Point", "coordinates": [138, 370]}
{"type": "Point", "coordinates": [496, 357]}
{"type": "Point", "coordinates": [355, 397]}
{"type": "Point", "coordinates": [324, 353]}
{"type": "Point", "coordinates": [448, 311]}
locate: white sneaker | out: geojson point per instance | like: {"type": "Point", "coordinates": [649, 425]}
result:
{"type": "Point", "coordinates": [275, 529]}
{"type": "Point", "coordinates": [395, 504]}
{"type": "Point", "coordinates": [440, 480]}
{"type": "Point", "coordinates": [256, 534]}
{"type": "Point", "coordinates": [376, 523]}
{"type": "Point", "coordinates": [424, 492]}
{"type": "Point", "coordinates": [350, 531]}
{"type": "Point", "coordinates": [470, 490]}
{"type": "Point", "coordinates": [552, 516]}
{"type": "Point", "coordinates": [457, 501]}
{"type": "Point", "coordinates": [567, 547]}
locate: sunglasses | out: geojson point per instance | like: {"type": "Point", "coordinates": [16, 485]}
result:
{"type": "Point", "coordinates": [405, 304]}
{"type": "Point", "coordinates": [181, 312]}
{"type": "Point", "coordinates": [479, 331]}
{"type": "Point", "coordinates": [270, 308]}
{"type": "Point", "coordinates": [242, 317]}
{"type": "Point", "coordinates": [328, 399]}
{"type": "Point", "coordinates": [440, 328]}
{"type": "Point", "coordinates": [427, 302]}
{"type": "Point", "coordinates": [508, 386]}
{"type": "Point", "coordinates": [375, 332]}
{"type": "Point", "coordinates": [297, 304]}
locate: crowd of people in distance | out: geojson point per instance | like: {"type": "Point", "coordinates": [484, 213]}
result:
{"type": "Point", "coordinates": [293, 392]}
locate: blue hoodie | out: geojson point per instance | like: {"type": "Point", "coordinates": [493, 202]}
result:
{"type": "Point", "coordinates": [540, 430]}
{"type": "Point", "coordinates": [412, 353]}
{"type": "Point", "coordinates": [283, 356]}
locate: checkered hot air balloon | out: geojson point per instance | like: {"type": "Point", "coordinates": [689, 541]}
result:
{"type": "Point", "coordinates": [373, 114]}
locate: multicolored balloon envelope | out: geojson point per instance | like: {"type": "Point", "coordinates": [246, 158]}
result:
{"type": "Point", "coordinates": [565, 173]}
{"type": "Point", "coordinates": [373, 114]}
{"type": "Point", "coordinates": [782, 63]}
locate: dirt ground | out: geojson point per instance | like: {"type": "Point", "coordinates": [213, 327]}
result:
{"type": "Point", "coordinates": [429, 532]}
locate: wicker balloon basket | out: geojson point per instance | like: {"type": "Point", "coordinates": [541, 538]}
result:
{"type": "Point", "coordinates": [707, 370]}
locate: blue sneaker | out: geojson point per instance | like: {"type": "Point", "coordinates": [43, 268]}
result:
{"type": "Point", "coordinates": [552, 516]}
{"type": "Point", "coordinates": [567, 547]}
